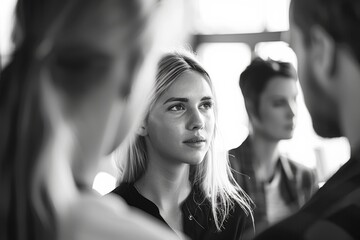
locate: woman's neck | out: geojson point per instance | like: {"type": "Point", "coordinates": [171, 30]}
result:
{"type": "Point", "coordinates": [166, 187]}
{"type": "Point", "coordinates": [266, 154]}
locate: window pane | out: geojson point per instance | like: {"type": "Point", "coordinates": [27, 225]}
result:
{"type": "Point", "coordinates": [6, 24]}
{"type": "Point", "coordinates": [241, 16]}
{"type": "Point", "coordinates": [276, 15]}
{"type": "Point", "coordinates": [230, 16]}
{"type": "Point", "coordinates": [225, 62]}
{"type": "Point", "coordinates": [279, 51]}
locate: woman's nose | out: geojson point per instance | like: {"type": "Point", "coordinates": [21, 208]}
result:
{"type": "Point", "coordinates": [196, 120]}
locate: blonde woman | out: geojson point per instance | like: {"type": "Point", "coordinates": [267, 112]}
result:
{"type": "Point", "coordinates": [173, 170]}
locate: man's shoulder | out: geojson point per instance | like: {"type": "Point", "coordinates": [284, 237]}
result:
{"type": "Point", "coordinates": [296, 165]}
{"type": "Point", "coordinates": [341, 224]}
{"type": "Point", "coordinates": [291, 228]}
{"type": "Point", "coordinates": [242, 151]}
{"type": "Point", "coordinates": [298, 169]}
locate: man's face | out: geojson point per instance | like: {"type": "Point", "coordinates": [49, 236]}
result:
{"type": "Point", "coordinates": [321, 106]}
{"type": "Point", "coordinates": [277, 109]}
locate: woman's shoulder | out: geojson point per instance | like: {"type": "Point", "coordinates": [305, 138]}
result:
{"type": "Point", "coordinates": [123, 189]}
{"type": "Point", "coordinates": [127, 192]}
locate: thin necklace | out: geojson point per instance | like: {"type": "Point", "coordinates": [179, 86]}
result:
{"type": "Point", "coordinates": [191, 217]}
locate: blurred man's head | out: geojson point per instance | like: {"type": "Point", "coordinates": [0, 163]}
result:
{"type": "Point", "coordinates": [325, 38]}
{"type": "Point", "coordinates": [269, 89]}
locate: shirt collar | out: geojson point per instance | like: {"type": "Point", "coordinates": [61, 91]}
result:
{"type": "Point", "coordinates": [284, 162]}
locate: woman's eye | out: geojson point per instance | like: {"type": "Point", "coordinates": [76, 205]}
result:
{"type": "Point", "coordinates": [207, 105]}
{"type": "Point", "coordinates": [177, 107]}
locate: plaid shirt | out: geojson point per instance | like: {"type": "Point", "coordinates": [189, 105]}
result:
{"type": "Point", "coordinates": [297, 184]}
{"type": "Point", "coordinates": [333, 213]}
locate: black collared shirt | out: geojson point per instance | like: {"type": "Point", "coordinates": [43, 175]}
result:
{"type": "Point", "coordinates": [198, 222]}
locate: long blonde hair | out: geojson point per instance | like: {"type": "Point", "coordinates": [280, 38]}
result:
{"type": "Point", "coordinates": [213, 175]}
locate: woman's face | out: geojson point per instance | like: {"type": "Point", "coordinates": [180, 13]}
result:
{"type": "Point", "coordinates": [277, 109]}
{"type": "Point", "coordinates": [92, 68]}
{"type": "Point", "coordinates": [180, 126]}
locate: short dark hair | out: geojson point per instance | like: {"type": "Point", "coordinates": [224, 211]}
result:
{"type": "Point", "coordinates": [339, 18]}
{"type": "Point", "coordinates": [255, 77]}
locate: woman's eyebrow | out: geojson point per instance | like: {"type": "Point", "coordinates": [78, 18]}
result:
{"type": "Point", "coordinates": [206, 98]}
{"type": "Point", "coordinates": [176, 99]}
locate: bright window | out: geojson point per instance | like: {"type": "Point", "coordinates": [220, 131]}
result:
{"type": "Point", "coordinates": [241, 16]}
{"type": "Point", "coordinates": [6, 24]}
{"type": "Point", "coordinates": [225, 62]}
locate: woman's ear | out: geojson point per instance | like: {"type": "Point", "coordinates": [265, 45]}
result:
{"type": "Point", "coordinates": [142, 129]}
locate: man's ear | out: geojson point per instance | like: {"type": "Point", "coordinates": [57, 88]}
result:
{"type": "Point", "coordinates": [142, 129]}
{"type": "Point", "coordinates": [322, 54]}
{"type": "Point", "coordinates": [251, 110]}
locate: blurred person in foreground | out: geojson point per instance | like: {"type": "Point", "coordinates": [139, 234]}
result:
{"type": "Point", "coordinates": [71, 94]}
{"type": "Point", "coordinates": [324, 35]}
{"type": "Point", "coordinates": [277, 185]}
{"type": "Point", "coordinates": [174, 169]}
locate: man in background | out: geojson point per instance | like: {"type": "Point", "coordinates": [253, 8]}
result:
{"type": "Point", "coordinates": [278, 185]}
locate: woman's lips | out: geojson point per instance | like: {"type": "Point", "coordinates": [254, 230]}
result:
{"type": "Point", "coordinates": [195, 142]}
